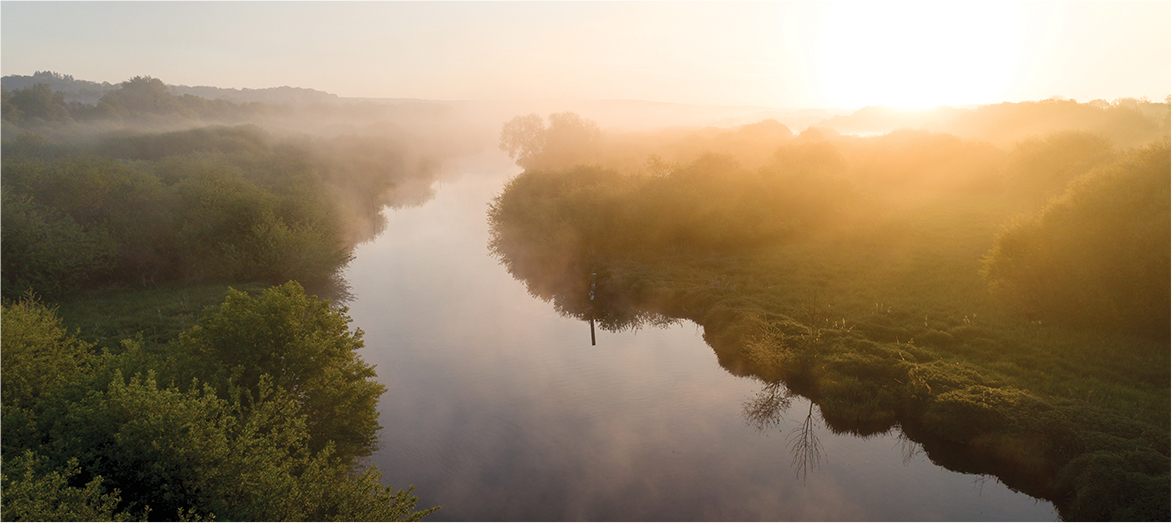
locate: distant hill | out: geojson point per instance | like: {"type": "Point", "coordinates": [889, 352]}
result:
{"type": "Point", "coordinates": [272, 95]}
{"type": "Point", "coordinates": [1127, 121]}
{"type": "Point", "coordinates": [89, 93]}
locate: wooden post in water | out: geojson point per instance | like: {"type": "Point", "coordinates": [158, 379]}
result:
{"type": "Point", "coordinates": [592, 276]}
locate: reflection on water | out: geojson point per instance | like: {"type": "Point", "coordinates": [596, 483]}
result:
{"type": "Point", "coordinates": [499, 409]}
{"type": "Point", "coordinates": [764, 412]}
{"type": "Point", "coordinates": [805, 447]}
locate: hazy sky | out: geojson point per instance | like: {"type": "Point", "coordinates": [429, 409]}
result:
{"type": "Point", "coordinates": [777, 54]}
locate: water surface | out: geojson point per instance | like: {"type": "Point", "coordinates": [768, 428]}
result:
{"type": "Point", "coordinates": [500, 409]}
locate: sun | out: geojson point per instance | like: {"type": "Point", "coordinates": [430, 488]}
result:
{"type": "Point", "coordinates": [917, 54]}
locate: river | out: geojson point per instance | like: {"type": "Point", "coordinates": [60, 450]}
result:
{"type": "Point", "coordinates": [498, 408]}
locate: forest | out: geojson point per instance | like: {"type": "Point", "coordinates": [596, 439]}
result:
{"type": "Point", "coordinates": [1011, 302]}
{"type": "Point", "coordinates": [249, 404]}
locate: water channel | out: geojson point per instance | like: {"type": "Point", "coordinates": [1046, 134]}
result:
{"type": "Point", "coordinates": [498, 408]}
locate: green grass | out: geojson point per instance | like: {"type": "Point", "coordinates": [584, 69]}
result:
{"type": "Point", "coordinates": [157, 315]}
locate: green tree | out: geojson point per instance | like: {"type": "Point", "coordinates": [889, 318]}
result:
{"type": "Point", "coordinates": [1040, 168]}
{"type": "Point", "coordinates": [523, 138]}
{"type": "Point", "coordinates": [37, 104]}
{"type": "Point", "coordinates": [192, 453]}
{"type": "Point", "coordinates": [81, 441]}
{"type": "Point", "coordinates": [569, 140]}
{"type": "Point", "coordinates": [307, 349]}
{"type": "Point", "coordinates": [41, 363]}
{"type": "Point", "coordinates": [10, 112]}
{"type": "Point", "coordinates": [31, 493]}
{"type": "Point", "coordinates": [1099, 254]}
{"type": "Point", "coordinates": [47, 252]}
{"type": "Point", "coordinates": [144, 95]}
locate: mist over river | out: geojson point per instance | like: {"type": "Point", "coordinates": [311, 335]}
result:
{"type": "Point", "coordinates": [498, 408]}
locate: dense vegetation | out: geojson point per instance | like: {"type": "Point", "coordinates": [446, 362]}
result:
{"type": "Point", "coordinates": [230, 204]}
{"type": "Point", "coordinates": [229, 405]}
{"type": "Point", "coordinates": [858, 271]}
{"type": "Point", "coordinates": [260, 412]}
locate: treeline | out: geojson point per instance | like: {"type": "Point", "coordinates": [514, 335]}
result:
{"type": "Point", "coordinates": [262, 412]}
{"type": "Point", "coordinates": [75, 90]}
{"type": "Point", "coordinates": [226, 204]}
{"type": "Point", "coordinates": [1105, 259]}
{"type": "Point", "coordinates": [140, 98]}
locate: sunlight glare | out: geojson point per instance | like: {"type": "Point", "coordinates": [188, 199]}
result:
{"type": "Point", "coordinates": [917, 54]}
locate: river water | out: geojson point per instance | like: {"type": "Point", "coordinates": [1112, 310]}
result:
{"type": "Point", "coordinates": [498, 408]}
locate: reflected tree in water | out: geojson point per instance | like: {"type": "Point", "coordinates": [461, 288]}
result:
{"type": "Point", "coordinates": [765, 410]}
{"type": "Point", "coordinates": [805, 447]}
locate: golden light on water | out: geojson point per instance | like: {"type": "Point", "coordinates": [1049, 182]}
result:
{"type": "Point", "coordinates": [917, 54]}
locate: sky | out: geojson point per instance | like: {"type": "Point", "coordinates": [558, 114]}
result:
{"type": "Point", "coordinates": [772, 54]}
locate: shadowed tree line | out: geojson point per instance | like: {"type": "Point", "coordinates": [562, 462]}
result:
{"type": "Point", "coordinates": [141, 97]}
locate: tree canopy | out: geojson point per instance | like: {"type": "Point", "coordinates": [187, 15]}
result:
{"type": "Point", "coordinates": [257, 413]}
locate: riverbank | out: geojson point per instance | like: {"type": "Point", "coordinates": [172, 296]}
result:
{"type": "Point", "coordinates": [884, 321]}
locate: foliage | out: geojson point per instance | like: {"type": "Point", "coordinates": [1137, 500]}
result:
{"type": "Point", "coordinates": [1040, 168]}
{"type": "Point", "coordinates": [46, 251]}
{"type": "Point", "coordinates": [36, 104]}
{"type": "Point", "coordinates": [1127, 122]}
{"type": "Point", "coordinates": [33, 494]}
{"type": "Point", "coordinates": [569, 140]}
{"type": "Point", "coordinates": [219, 204]}
{"type": "Point", "coordinates": [1099, 255]}
{"type": "Point", "coordinates": [250, 437]}
{"type": "Point", "coordinates": [307, 349]}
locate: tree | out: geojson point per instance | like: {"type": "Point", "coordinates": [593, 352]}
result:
{"type": "Point", "coordinates": [307, 350]}
{"type": "Point", "coordinates": [143, 95]}
{"type": "Point", "coordinates": [32, 493]}
{"type": "Point", "coordinates": [523, 138]}
{"type": "Point", "coordinates": [569, 140]}
{"type": "Point", "coordinates": [37, 103]}
{"type": "Point", "coordinates": [1099, 254]}
{"type": "Point", "coordinates": [10, 112]}
{"type": "Point", "coordinates": [1040, 168]}
{"type": "Point", "coordinates": [81, 441]}
{"type": "Point", "coordinates": [46, 251]}
{"type": "Point", "coordinates": [184, 454]}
